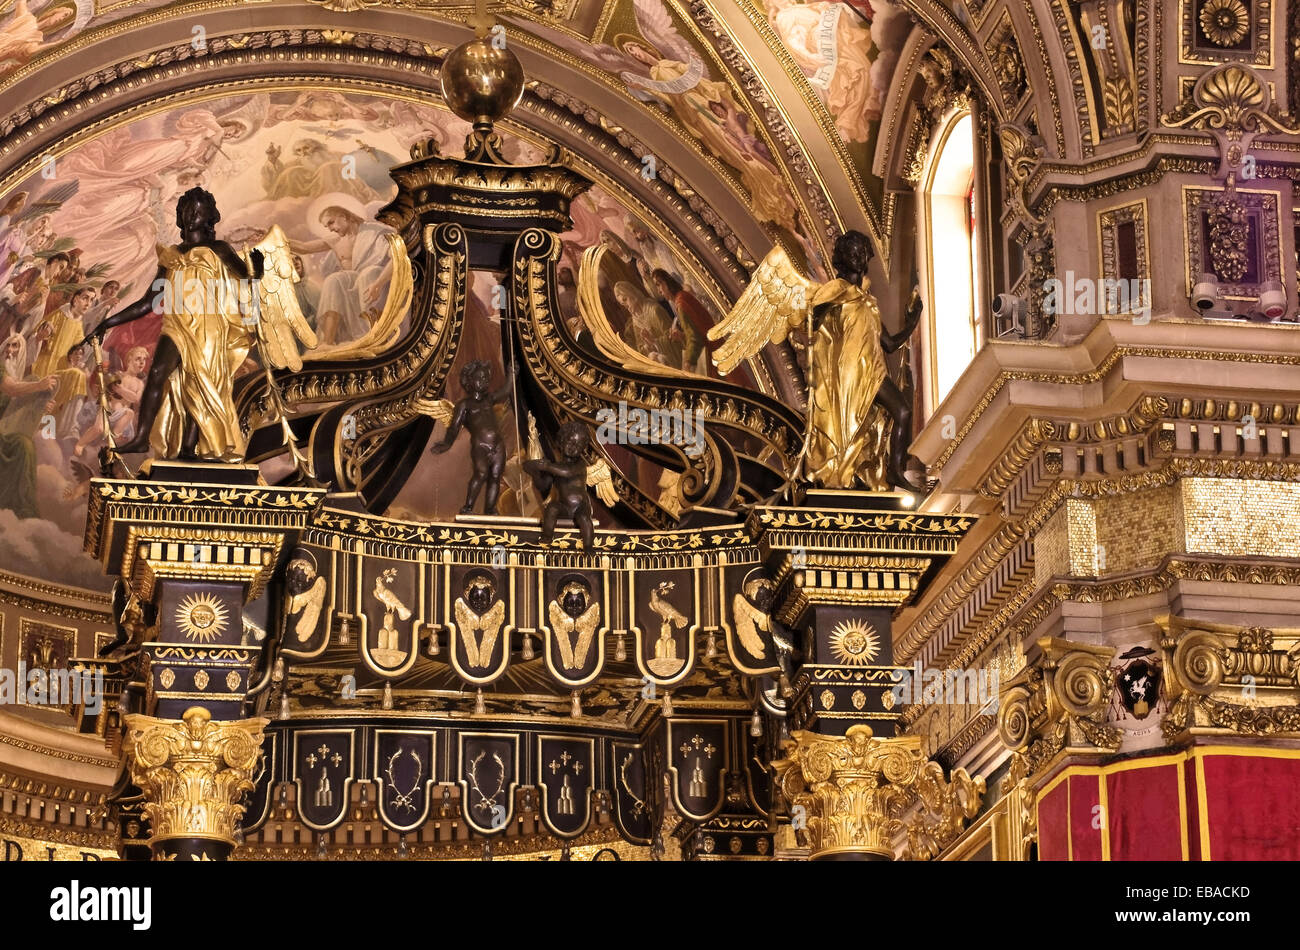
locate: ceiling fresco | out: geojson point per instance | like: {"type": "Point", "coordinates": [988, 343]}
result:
{"type": "Point", "coordinates": [676, 69]}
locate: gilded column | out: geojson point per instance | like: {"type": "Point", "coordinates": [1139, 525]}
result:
{"type": "Point", "coordinates": [194, 773]}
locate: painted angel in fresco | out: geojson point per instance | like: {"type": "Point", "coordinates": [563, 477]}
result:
{"type": "Point", "coordinates": [216, 305]}
{"type": "Point", "coordinates": [26, 31]}
{"type": "Point", "coordinates": [851, 397]}
{"type": "Point", "coordinates": [659, 65]}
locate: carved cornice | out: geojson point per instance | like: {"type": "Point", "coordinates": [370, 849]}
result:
{"type": "Point", "coordinates": [1056, 707]}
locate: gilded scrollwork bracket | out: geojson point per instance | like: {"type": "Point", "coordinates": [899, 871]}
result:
{"type": "Point", "coordinates": [1229, 680]}
{"type": "Point", "coordinates": [946, 805]}
{"type": "Point", "coordinates": [1057, 706]}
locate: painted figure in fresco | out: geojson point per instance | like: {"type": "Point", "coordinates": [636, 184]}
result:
{"type": "Point", "coordinates": [659, 65]}
{"type": "Point", "coordinates": [832, 45]}
{"type": "Point", "coordinates": [22, 402]}
{"type": "Point", "coordinates": [357, 268]}
{"type": "Point", "coordinates": [315, 170]}
{"type": "Point", "coordinates": [477, 412]}
{"type": "Point", "coordinates": [691, 322]}
{"type": "Point", "coordinates": [647, 330]}
{"type": "Point", "coordinates": [565, 482]}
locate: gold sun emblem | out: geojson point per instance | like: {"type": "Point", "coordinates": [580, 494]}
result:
{"type": "Point", "coordinates": [855, 642]}
{"type": "Point", "coordinates": [201, 617]}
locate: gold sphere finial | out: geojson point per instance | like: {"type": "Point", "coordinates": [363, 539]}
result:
{"type": "Point", "coordinates": [482, 80]}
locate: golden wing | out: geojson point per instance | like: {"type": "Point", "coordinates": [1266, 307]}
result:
{"type": "Point", "coordinates": [749, 620]}
{"type": "Point", "coordinates": [281, 324]}
{"type": "Point", "coordinates": [561, 625]}
{"type": "Point", "coordinates": [468, 622]}
{"type": "Point", "coordinates": [586, 625]}
{"type": "Point", "coordinates": [490, 624]}
{"type": "Point", "coordinates": [775, 302]}
{"type": "Point", "coordinates": [602, 479]}
{"type": "Point", "coordinates": [438, 409]}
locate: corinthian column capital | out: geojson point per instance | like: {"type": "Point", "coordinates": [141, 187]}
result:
{"type": "Point", "coordinates": [847, 791]}
{"type": "Point", "coordinates": [193, 773]}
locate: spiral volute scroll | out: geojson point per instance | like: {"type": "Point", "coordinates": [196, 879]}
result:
{"type": "Point", "coordinates": [1199, 662]}
{"type": "Point", "coordinates": [1082, 685]}
{"type": "Point", "coordinates": [1015, 726]}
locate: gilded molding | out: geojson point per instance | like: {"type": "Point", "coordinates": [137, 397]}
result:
{"type": "Point", "coordinates": [1100, 372]}
{"type": "Point", "coordinates": [1229, 680]}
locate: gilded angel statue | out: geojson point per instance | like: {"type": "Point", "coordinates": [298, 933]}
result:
{"type": "Point", "coordinates": [851, 398]}
{"type": "Point", "coordinates": [216, 305]}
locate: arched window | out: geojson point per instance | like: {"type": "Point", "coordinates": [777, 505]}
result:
{"type": "Point", "coordinates": [950, 273]}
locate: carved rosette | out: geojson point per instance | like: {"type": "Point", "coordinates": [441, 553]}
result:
{"type": "Point", "coordinates": [1058, 704]}
{"type": "Point", "coordinates": [193, 773]}
{"type": "Point", "coordinates": [849, 792]}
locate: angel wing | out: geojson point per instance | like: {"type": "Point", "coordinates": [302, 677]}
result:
{"type": "Point", "coordinates": [602, 479]}
{"type": "Point", "coordinates": [469, 623]}
{"type": "Point", "coordinates": [490, 624]}
{"type": "Point", "coordinates": [775, 302]}
{"type": "Point", "coordinates": [281, 323]}
{"type": "Point", "coordinates": [309, 602]}
{"type": "Point", "coordinates": [656, 25]}
{"type": "Point", "coordinates": [562, 624]}
{"type": "Point", "coordinates": [749, 621]}
{"type": "Point", "coordinates": [586, 625]}
{"type": "Point", "coordinates": [437, 409]}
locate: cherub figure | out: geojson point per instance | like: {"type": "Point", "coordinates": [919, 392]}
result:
{"type": "Point", "coordinates": [476, 411]}
{"type": "Point", "coordinates": [568, 477]}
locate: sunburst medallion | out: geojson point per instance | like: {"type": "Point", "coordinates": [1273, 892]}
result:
{"type": "Point", "coordinates": [855, 642]}
{"type": "Point", "coordinates": [202, 617]}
